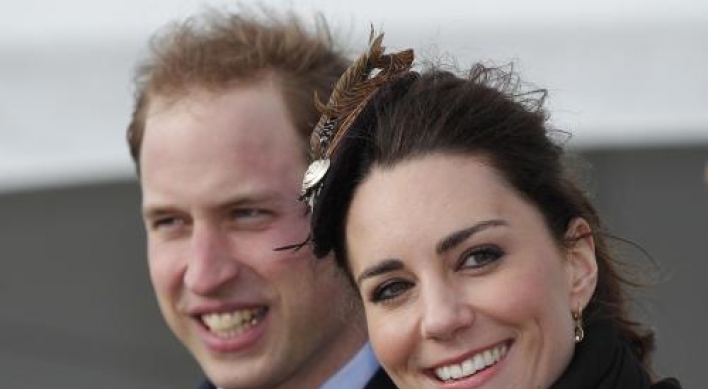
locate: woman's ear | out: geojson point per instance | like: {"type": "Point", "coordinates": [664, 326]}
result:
{"type": "Point", "coordinates": [581, 262]}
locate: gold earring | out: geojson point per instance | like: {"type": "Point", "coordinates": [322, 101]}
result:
{"type": "Point", "coordinates": [578, 319]}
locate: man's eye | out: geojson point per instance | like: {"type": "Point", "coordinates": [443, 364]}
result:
{"type": "Point", "coordinates": [390, 290]}
{"type": "Point", "coordinates": [480, 256]}
{"type": "Point", "coordinates": [248, 213]}
{"type": "Point", "coordinates": [167, 223]}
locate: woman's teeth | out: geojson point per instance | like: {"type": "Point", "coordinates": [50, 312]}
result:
{"type": "Point", "coordinates": [472, 365]}
{"type": "Point", "coordinates": [229, 324]}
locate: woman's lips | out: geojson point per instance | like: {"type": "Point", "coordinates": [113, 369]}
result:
{"type": "Point", "coordinates": [471, 365]}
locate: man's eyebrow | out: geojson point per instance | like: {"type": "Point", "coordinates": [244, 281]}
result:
{"type": "Point", "coordinates": [252, 197]}
{"type": "Point", "coordinates": [152, 211]}
{"type": "Point", "coordinates": [457, 237]}
{"type": "Point", "coordinates": [244, 199]}
{"type": "Point", "coordinates": [249, 200]}
{"type": "Point", "coordinates": [382, 267]}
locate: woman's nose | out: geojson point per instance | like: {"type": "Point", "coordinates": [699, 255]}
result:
{"type": "Point", "coordinates": [445, 311]}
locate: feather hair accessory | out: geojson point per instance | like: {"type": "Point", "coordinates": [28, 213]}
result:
{"type": "Point", "coordinates": [353, 91]}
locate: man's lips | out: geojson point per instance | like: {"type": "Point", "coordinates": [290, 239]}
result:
{"type": "Point", "coordinates": [232, 323]}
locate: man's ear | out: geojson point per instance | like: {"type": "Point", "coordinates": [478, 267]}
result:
{"type": "Point", "coordinates": [581, 263]}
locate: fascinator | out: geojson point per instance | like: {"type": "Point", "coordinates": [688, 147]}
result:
{"type": "Point", "coordinates": [353, 90]}
{"type": "Point", "coordinates": [349, 98]}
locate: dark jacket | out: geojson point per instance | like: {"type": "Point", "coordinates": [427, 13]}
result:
{"type": "Point", "coordinates": [603, 361]}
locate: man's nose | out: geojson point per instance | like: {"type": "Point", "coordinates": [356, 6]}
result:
{"type": "Point", "coordinates": [211, 264]}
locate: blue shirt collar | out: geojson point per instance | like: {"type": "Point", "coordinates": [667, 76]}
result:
{"type": "Point", "coordinates": [356, 373]}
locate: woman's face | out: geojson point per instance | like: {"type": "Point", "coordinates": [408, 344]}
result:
{"type": "Point", "coordinates": [462, 283]}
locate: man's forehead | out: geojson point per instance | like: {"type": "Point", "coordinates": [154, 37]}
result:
{"type": "Point", "coordinates": [203, 93]}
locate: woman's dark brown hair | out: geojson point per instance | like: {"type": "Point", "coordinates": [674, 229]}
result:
{"type": "Point", "coordinates": [483, 114]}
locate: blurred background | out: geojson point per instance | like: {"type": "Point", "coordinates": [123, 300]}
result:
{"type": "Point", "coordinates": [628, 79]}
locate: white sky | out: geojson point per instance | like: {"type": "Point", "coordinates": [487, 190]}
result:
{"type": "Point", "coordinates": [619, 71]}
{"type": "Point", "coordinates": [46, 20]}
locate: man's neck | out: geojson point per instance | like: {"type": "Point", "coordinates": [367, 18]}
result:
{"type": "Point", "coordinates": [333, 357]}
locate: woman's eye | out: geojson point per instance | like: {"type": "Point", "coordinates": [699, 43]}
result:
{"type": "Point", "coordinates": [390, 290]}
{"type": "Point", "coordinates": [480, 257]}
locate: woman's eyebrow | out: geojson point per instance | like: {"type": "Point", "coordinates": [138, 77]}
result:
{"type": "Point", "coordinates": [384, 266]}
{"type": "Point", "coordinates": [451, 241]}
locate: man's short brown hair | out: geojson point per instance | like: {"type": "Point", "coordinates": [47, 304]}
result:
{"type": "Point", "coordinates": [216, 51]}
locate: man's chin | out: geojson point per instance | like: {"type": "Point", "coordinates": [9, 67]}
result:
{"type": "Point", "coordinates": [234, 375]}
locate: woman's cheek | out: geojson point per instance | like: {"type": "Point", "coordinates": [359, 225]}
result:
{"type": "Point", "coordinates": [392, 335]}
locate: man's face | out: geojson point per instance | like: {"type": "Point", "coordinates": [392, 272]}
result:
{"type": "Point", "coordinates": [220, 176]}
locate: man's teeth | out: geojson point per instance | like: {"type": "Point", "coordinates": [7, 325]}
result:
{"type": "Point", "coordinates": [472, 365]}
{"type": "Point", "coordinates": [229, 324]}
